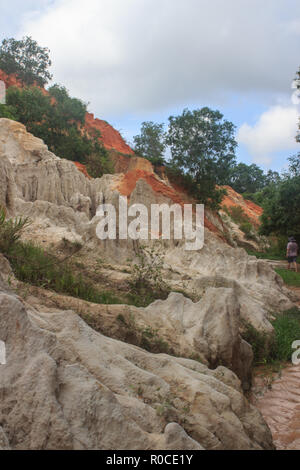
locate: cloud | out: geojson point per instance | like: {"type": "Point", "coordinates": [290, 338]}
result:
{"type": "Point", "coordinates": [139, 56]}
{"type": "Point", "coordinates": [275, 130]}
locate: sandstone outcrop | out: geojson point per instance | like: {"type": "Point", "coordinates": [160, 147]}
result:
{"type": "Point", "coordinates": [65, 386]}
{"type": "Point", "coordinates": [62, 203]}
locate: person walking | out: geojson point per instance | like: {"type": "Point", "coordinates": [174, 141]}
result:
{"type": "Point", "coordinates": [292, 253]}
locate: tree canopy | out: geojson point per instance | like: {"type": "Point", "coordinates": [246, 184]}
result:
{"type": "Point", "coordinates": [26, 59]}
{"type": "Point", "coordinates": [150, 143]}
{"type": "Point", "coordinates": [247, 178]}
{"type": "Point", "coordinates": [57, 118]}
{"type": "Point", "coordinates": [202, 144]}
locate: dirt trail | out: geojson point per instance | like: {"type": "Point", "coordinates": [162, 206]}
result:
{"type": "Point", "coordinates": [279, 403]}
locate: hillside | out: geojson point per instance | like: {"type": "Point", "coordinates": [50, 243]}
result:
{"type": "Point", "coordinates": [163, 376]}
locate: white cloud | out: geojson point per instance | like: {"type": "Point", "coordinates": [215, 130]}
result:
{"type": "Point", "coordinates": [135, 56]}
{"type": "Point", "coordinates": [274, 131]}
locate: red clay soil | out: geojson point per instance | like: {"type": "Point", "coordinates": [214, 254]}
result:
{"type": "Point", "coordinates": [83, 169]}
{"type": "Point", "coordinates": [234, 199]}
{"type": "Point", "coordinates": [110, 137]}
{"type": "Point", "coordinates": [10, 80]}
{"type": "Point", "coordinates": [129, 180]}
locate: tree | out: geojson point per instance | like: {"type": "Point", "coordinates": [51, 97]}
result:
{"type": "Point", "coordinates": [150, 143]}
{"type": "Point", "coordinates": [294, 165]}
{"type": "Point", "coordinates": [282, 209]}
{"type": "Point", "coordinates": [202, 144]}
{"type": "Point", "coordinates": [26, 59]}
{"type": "Point", "coordinates": [248, 178]}
{"type": "Point", "coordinates": [58, 119]}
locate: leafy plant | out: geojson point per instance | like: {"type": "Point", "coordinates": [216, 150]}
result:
{"type": "Point", "coordinates": [26, 59]}
{"type": "Point", "coordinates": [10, 230]}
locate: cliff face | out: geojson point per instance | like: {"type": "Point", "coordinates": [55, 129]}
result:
{"type": "Point", "coordinates": [110, 137]}
{"type": "Point", "coordinates": [234, 199]}
{"type": "Point", "coordinates": [63, 368]}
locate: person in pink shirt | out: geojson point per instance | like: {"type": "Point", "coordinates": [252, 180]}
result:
{"type": "Point", "coordinates": [292, 253]}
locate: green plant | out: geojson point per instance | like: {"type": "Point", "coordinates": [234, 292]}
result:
{"type": "Point", "coordinates": [10, 230]}
{"type": "Point", "coordinates": [26, 59]}
{"type": "Point", "coordinates": [287, 330]}
{"type": "Point", "coordinates": [146, 278]}
{"type": "Point", "coordinates": [259, 341]}
{"type": "Point", "coordinates": [247, 228]}
{"type": "Point", "coordinates": [291, 278]}
{"type": "Point", "coordinates": [271, 350]}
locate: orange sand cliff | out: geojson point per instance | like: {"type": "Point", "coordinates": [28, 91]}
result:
{"type": "Point", "coordinates": [234, 199]}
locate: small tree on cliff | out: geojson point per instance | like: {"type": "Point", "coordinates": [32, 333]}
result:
{"type": "Point", "coordinates": [26, 59]}
{"type": "Point", "coordinates": [150, 143]}
{"type": "Point", "coordinates": [202, 144]}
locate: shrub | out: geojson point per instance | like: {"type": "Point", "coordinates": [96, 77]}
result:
{"type": "Point", "coordinates": [287, 330]}
{"type": "Point", "coordinates": [10, 230]}
{"type": "Point", "coordinates": [279, 348]}
{"type": "Point", "coordinates": [247, 228]}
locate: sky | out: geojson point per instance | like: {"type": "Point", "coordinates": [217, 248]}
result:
{"type": "Point", "coordinates": [144, 60]}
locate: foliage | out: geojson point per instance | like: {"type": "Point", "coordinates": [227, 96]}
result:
{"type": "Point", "coordinates": [259, 341]}
{"type": "Point", "coordinates": [276, 250]}
{"type": "Point", "coordinates": [247, 178]}
{"type": "Point", "coordinates": [32, 264]}
{"type": "Point", "coordinates": [57, 118]}
{"type": "Point", "coordinates": [294, 165]}
{"type": "Point", "coordinates": [202, 144]}
{"type": "Point", "coordinates": [247, 228]}
{"type": "Point", "coordinates": [7, 112]}
{"type": "Point", "coordinates": [287, 330]}
{"type": "Point", "coordinates": [10, 230]}
{"type": "Point", "coordinates": [237, 214]}
{"type": "Point", "coordinates": [26, 59]}
{"type": "Point", "coordinates": [150, 143]}
{"type": "Point", "coordinates": [291, 278]}
{"type": "Point", "coordinates": [282, 209]}
{"type": "Point", "coordinates": [146, 279]}
{"type": "Point", "coordinates": [279, 348]}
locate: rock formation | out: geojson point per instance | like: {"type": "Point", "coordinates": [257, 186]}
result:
{"type": "Point", "coordinates": [69, 381]}
{"type": "Point", "coordinates": [64, 386]}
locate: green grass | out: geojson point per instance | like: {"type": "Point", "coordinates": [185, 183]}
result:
{"type": "Point", "coordinates": [290, 277]}
{"type": "Point", "coordinates": [267, 255]}
{"type": "Point", "coordinates": [287, 330]}
{"type": "Point", "coordinates": [33, 265]}
{"type": "Point", "coordinates": [279, 348]}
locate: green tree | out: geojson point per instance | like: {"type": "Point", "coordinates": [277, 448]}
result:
{"type": "Point", "coordinates": [282, 208]}
{"type": "Point", "coordinates": [150, 143]}
{"type": "Point", "coordinates": [26, 59]}
{"type": "Point", "coordinates": [58, 119]}
{"type": "Point", "coordinates": [202, 144]}
{"type": "Point", "coordinates": [247, 178]}
{"type": "Point", "coordinates": [294, 165]}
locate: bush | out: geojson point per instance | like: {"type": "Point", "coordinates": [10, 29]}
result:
{"type": "Point", "coordinates": [290, 277]}
{"type": "Point", "coordinates": [237, 214]}
{"type": "Point", "coordinates": [146, 280]}
{"type": "Point", "coordinates": [287, 330]}
{"type": "Point", "coordinates": [32, 264]}
{"type": "Point", "coordinates": [268, 350]}
{"type": "Point", "coordinates": [10, 230]}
